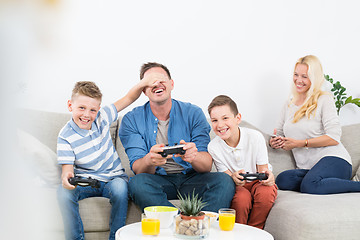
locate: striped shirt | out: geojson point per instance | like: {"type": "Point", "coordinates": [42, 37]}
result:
{"type": "Point", "coordinates": [91, 151]}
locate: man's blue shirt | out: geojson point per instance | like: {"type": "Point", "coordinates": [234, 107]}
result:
{"type": "Point", "coordinates": [139, 128]}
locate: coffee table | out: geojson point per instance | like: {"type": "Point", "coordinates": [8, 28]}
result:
{"type": "Point", "coordinates": [240, 231]}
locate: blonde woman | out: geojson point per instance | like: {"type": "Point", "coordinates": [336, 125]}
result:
{"type": "Point", "coordinates": [310, 128]}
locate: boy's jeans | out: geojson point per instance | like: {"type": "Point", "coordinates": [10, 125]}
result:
{"type": "Point", "coordinates": [215, 188]}
{"type": "Point", "coordinates": [116, 190]}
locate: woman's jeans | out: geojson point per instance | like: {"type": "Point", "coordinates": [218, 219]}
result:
{"type": "Point", "coordinates": [216, 189]}
{"type": "Point", "coordinates": [116, 190]}
{"type": "Point", "coordinates": [330, 175]}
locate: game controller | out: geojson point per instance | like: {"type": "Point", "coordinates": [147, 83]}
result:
{"type": "Point", "coordinates": [254, 176]}
{"type": "Point", "coordinates": [169, 150]}
{"type": "Point", "coordinates": [84, 182]}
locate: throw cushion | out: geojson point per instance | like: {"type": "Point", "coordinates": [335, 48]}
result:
{"type": "Point", "coordinates": [351, 141]}
{"type": "Point", "coordinates": [42, 160]}
{"type": "Point", "coordinates": [357, 175]}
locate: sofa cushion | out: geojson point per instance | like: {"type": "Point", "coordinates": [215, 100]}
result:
{"type": "Point", "coordinates": [357, 175]}
{"type": "Point", "coordinates": [40, 158]}
{"type": "Point", "coordinates": [43, 125]}
{"type": "Point", "coordinates": [351, 141]}
{"type": "Point", "coordinates": [280, 160]}
{"type": "Point", "coordinates": [309, 216]}
{"type": "Point", "coordinates": [121, 152]}
{"type": "Point", "coordinates": [300, 216]}
{"type": "Point", "coordinates": [95, 214]}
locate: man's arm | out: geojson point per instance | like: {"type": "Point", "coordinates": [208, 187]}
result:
{"type": "Point", "coordinates": [203, 162]}
{"type": "Point", "coordinates": [131, 133]}
{"type": "Point", "coordinates": [196, 150]}
{"type": "Point", "coordinates": [200, 161]}
{"type": "Point", "coordinates": [150, 161]}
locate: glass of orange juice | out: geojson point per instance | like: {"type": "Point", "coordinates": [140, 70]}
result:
{"type": "Point", "coordinates": [226, 219]}
{"type": "Point", "coordinates": [150, 226]}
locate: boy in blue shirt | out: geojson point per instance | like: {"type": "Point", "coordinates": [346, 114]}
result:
{"type": "Point", "coordinates": [85, 149]}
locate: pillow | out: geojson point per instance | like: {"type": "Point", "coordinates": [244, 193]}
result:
{"type": "Point", "coordinates": [351, 141]}
{"type": "Point", "coordinates": [41, 159]}
{"type": "Point", "coordinates": [357, 175]}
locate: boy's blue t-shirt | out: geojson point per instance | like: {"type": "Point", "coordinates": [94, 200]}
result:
{"type": "Point", "coordinates": [139, 128]}
{"type": "Point", "coordinates": [91, 151]}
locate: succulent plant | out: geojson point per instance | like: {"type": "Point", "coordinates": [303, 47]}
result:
{"type": "Point", "coordinates": [191, 205]}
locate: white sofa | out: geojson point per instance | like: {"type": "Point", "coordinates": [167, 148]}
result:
{"type": "Point", "coordinates": [294, 216]}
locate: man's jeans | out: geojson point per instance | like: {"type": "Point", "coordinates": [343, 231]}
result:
{"type": "Point", "coordinates": [116, 190]}
{"type": "Point", "coordinates": [216, 189]}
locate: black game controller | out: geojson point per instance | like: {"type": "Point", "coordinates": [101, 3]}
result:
{"type": "Point", "coordinates": [254, 176]}
{"type": "Point", "coordinates": [84, 182]}
{"type": "Point", "coordinates": [176, 149]}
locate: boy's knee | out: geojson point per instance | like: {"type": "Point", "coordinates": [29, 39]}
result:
{"type": "Point", "coordinates": [119, 187]}
{"type": "Point", "coordinates": [242, 198]}
{"type": "Point", "coordinates": [64, 195]}
{"type": "Point", "coordinates": [267, 194]}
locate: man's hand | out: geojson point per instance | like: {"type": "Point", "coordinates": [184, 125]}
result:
{"type": "Point", "coordinates": [154, 158]}
{"type": "Point", "coordinates": [191, 152]}
{"type": "Point", "coordinates": [150, 161]}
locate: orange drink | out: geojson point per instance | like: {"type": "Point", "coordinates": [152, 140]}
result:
{"type": "Point", "coordinates": [150, 226]}
{"type": "Point", "coordinates": [226, 219]}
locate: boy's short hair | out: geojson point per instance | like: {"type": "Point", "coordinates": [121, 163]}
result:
{"type": "Point", "coordinates": [223, 100]}
{"type": "Point", "coordinates": [149, 65]}
{"type": "Point", "coordinates": [86, 88]}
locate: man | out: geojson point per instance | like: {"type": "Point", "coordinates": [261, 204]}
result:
{"type": "Point", "coordinates": [163, 120]}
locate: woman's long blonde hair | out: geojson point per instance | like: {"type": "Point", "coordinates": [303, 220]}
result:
{"type": "Point", "coordinates": [316, 77]}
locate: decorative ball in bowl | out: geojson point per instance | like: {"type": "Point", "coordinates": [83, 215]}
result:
{"type": "Point", "coordinates": [164, 213]}
{"type": "Point", "coordinates": [213, 216]}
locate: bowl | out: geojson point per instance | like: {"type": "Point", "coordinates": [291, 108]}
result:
{"type": "Point", "coordinates": [212, 215]}
{"type": "Point", "coordinates": [164, 213]}
{"type": "Point", "coordinates": [191, 227]}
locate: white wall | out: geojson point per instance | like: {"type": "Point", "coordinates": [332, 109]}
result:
{"type": "Point", "coordinates": [245, 49]}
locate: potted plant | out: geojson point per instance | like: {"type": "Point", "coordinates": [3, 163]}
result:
{"type": "Point", "coordinates": [191, 221]}
{"type": "Point", "coordinates": [340, 95]}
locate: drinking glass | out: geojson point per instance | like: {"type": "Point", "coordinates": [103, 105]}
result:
{"type": "Point", "coordinates": [226, 219]}
{"type": "Point", "coordinates": [150, 226]}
